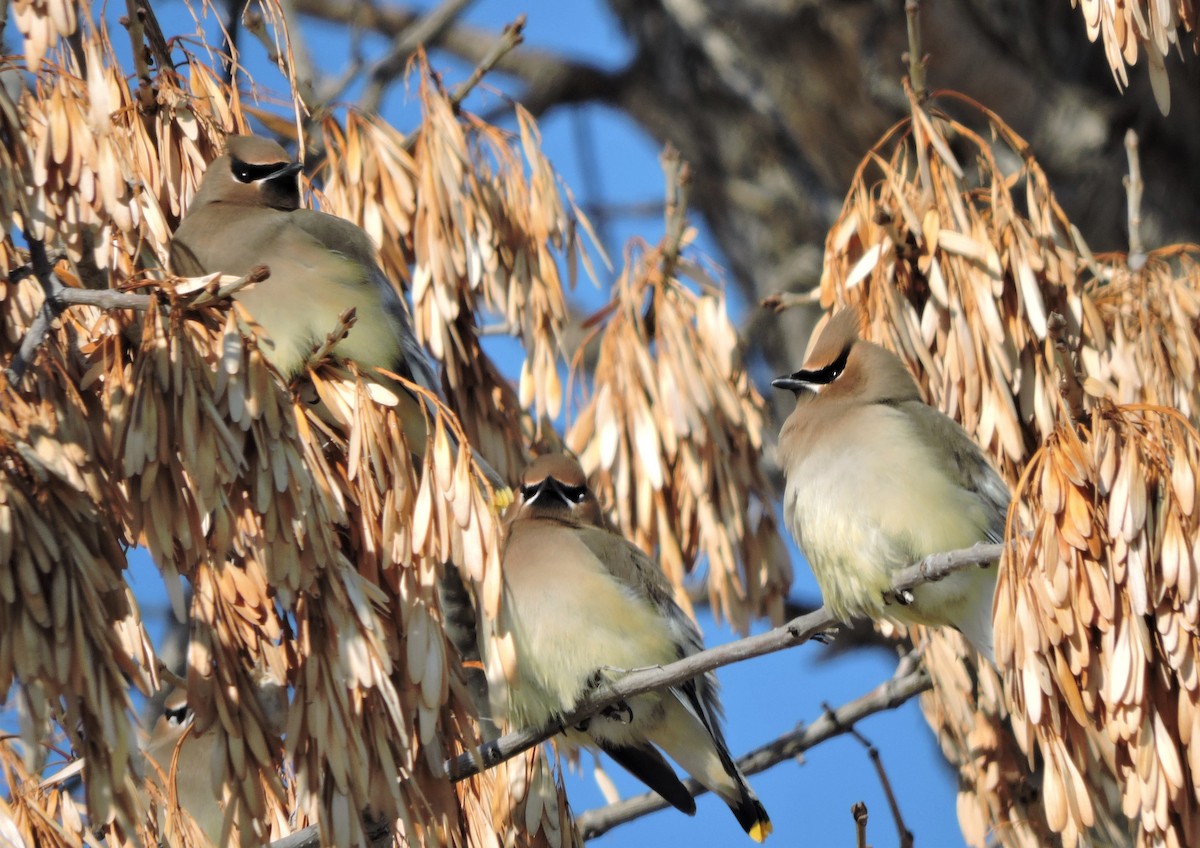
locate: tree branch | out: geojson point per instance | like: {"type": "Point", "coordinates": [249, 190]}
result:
{"type": "Point", "coordinates": [549, 78]}
{"type": "Point", "coordinates": [59, 297]}
{"type": "Point", "coordinates": [886, 696]}
{"type": "Point", "coordinates": [43, 269]}
{"type": "Point", "coordinates": [793, 633]}
{"type": "Point", "coordinates": [1133, 191]}
{"type": "Point", "coordinates": [903, 833]}
{"type": "Point", "coordinates": [859, 811]}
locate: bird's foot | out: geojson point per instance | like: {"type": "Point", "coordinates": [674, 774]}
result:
{"type": "Point", "coordinates": [618, 712]}
{"type": "Point", "coordinates": [826, 637]}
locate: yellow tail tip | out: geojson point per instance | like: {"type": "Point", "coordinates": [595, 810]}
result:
{"type": "Point", "coordinates": [501, 498]}
{"type": "Point", "coordinates": [760, 830]}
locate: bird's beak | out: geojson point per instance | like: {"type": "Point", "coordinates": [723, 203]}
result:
{"type": "Point", "coordinates": [289, 170]}
{"type": "Point", "coordinates": [791, 383]}
{"type": "Point", "coordinates": [546, 491]}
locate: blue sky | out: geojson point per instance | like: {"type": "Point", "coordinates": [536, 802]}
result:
{"type": "Point", "coordinates": [809, 802]}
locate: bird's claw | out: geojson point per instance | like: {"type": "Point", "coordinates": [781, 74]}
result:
{"type": "Point", "coordinates": [619, 712]}
{"type": "Point", "coordinates": [825, 637]}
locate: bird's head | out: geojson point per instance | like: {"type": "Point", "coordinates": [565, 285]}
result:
{"type": "Point", "coordinates": [253, 171]}
{"type": "Point", "coordinates": [554, 484]}
{"type": "Point", "coordinates": [176, 715]}
{"type": "Point", "coordinates": [841, 366]}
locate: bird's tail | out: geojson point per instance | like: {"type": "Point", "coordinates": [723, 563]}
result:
{"type": "Point", "coordinates": [975, 622]}
{"type": "Point", "coordinates": [698, 746]}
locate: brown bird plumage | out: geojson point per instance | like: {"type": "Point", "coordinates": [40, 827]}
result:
{"type": "Point", "coordinates": [877, 480]}
{"type": "Point", "coordinates": [580, 602]}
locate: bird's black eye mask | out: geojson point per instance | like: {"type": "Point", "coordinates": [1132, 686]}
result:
{"type": "Point", "coordinates": [807, 379]}
{"type": "Point", "coordinates": [244, 172]}
{"type": "Point", "coordinates": [550, 486]}
{"type": "Point", "coordinates": [176, 716]}
{"type": "Point", "coordinates": [825, 376]}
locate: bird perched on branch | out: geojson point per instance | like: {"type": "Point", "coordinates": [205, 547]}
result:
{"type": "Point", "coordinates": [247, 213]}
{"type": "Point", "coordinates": [878, 480]}
{"type": "Point", "coordinates": [581, 603]}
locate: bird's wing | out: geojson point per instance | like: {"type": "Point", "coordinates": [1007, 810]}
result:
{"type": "Point", "coordinates": [341, 236]}
{"type": "Point", "coordinates": [968, 465]}
{"type": "Point", "coordinates": [633, 567]}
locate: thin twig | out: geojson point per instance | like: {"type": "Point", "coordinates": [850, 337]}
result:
{"type": "Point", "coordinates": [793, 633]}
{"type": "Point", "coordinates": [425, 31]}
{"type": "Point", "coordinates": [1133, 191]}
{"type": "Point", "coordinates": [1069, 385]}
{"type": "Point", "coordinates": [888, 695]}
{"type": "Point", "coordinates": [782, 301]}
{"type": "Point", "coordinates": [58, 297]}
{"type": "Point", "coordinates": [915, 57]}
{"type": "Point", "coordinates": [511, 38]}
{"type": "Point", "coordinates": [678, 178]}
{"type": "Point", "coordinates": [859, 811]}
{"type": "Point", "coordinates": [902, 831]}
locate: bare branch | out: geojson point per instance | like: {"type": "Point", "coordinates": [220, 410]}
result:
{"type": "Point", "coordinates": [511, 37]}
{"type": "Point", "coordinates": [678, 178]}
{"type": "Point", "coordinates": [793, 633]}
{"type": "Point", "coordinates": [859, 811]}
{"type": "Point", "coordinates": [915, 57]}
{"type": "Point", "coordinates": [424, 31]}
{"type": "Point", "coordinates": [902, 831]}
{"type": "Point", "coordinates": [59, 297]}
{"type": "Point", "coordinates": [1133, 190]}
{"type": "Point", "coordinates": [782, 301]}
{"type": "Point", "coordinates": [888, 695]}
{"type": "Point", "coordinates": [550, 79]}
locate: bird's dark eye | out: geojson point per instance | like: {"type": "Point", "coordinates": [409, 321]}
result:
{"type": "Point", "coordinates": [825, 376]}
{"type": "Point", "coordinates": [528, 493]}
{"type": "Point", "coordinates": [247, 173]}
{"type": "Point", "coordinates": [576, 494]}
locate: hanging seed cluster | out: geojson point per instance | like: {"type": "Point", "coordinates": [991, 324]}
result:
{"type": "Point", "coordinates": [1156, 28]}
{"type": "Point", "coordinates": [672, 433]}
{"type": "Point", "coordinates": [463, 223]}
{"type": "Point", "coordinates": [953, 244]}
{"type": "Point", "coordinates": [1103, 601]}
{"type": "Point", "coordinates": [310, 531]}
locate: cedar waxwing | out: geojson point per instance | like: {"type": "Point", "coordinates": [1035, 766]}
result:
{"type": "Point", "coordinates": [247, 213]}
{"type": "Point", "coordinates": [193, 775]}
{"type": "Point", "coordinates": [580, 602]}
{"type": "Point", "coordinates": [878, 480]}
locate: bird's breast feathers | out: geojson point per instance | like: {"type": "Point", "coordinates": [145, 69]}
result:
{"type": "Point", "coordinates": [570, 618]}
{"type": "Point", "coordinates": [870, 500]}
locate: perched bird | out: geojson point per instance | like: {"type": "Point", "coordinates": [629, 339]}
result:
{"type": "Point", "coordinates": [193, 775]}
{"type": "Point", "coordinates": [581, 603]}
{"type": "Point", "coordinates": [878, 480]}
{"type": "Point", "coordinates": [247, 213]}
